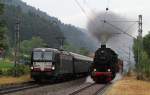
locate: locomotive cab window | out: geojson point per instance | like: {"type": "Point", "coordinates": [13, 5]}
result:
{"type": "Point", "coordinates": [39, 55]}
{"type": "Point", "coordinates": [48, 55]}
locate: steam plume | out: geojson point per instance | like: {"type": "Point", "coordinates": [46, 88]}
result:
{"type": "Point", "coordinates": [110, 28]}
{"type": "Point", "coordinates": [105, 25]}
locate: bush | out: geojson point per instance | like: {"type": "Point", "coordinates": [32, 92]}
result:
{"type": "Point", "coordinates": [5, 65]}
{"type": "Point", "coordinates": [18, 70]}
{"type": "Point", "coordinates": [143, 68]}
{"type": "Point", "coordinates": [8, 69]}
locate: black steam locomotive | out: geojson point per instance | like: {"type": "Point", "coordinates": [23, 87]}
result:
{"type": "Point", "coordinates": [53, 64]}
{"type": "Point", "coordinates": [105, 65]}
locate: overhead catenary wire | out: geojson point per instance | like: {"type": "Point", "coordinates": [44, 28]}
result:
{"type": "Point", "coordinates": [131, 26]}
{"type": "Point", "coordinates": [82, 9]}
{"type": "Point", "coordinates": [90, 9]}
{"type": "Point", "coordinates": [119, 29]}
{"type": "Point", "coordinates": [104, 18]}
{"type": "Point", "coordinates": [109, 22]}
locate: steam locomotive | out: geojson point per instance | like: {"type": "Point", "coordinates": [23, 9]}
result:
{"type": "Point", "coordinates": [52, 64]}
{"type": "Point", "coordinates": [105, 66]}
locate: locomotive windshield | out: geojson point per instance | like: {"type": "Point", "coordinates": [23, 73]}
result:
{"type": "Point", "coordinates": [37, 55]}
{"type": "Point", "coordinates": [47, 56]}
{"type": "Point", "coordinates": [40, 55]}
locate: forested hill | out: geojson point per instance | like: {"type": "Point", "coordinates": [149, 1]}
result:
{"type": "Point", "coordinates": [37, 23]}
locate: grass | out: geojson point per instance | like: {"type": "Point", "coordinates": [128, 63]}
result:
{"type": "Point", "coordinates": [14, 80]}
{"type": "Point", "coordinates": [130, 86]}
{"type": "Point", "coordinates": [5, 78]}
{"type": "Point", "coordinates": [6, 64]}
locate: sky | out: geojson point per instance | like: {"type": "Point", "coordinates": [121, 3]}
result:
{"type": "Point", "coordinates": [70, 13]}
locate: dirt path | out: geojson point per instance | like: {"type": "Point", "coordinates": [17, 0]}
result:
{"type": "Point", "coordinates": [130, 86]}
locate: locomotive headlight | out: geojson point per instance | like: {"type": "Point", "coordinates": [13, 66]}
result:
{"type": "Point", "coordinates": [94, 70]}
{"type": "Point", "coordinates": [108, 70]}
{"type": "Point", "coordinates": [53, 67]}
{"type": "Point", "coordinates": [31, 68]}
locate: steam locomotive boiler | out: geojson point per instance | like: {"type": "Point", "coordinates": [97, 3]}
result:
{"type": "Point", "coordinates": [105, 65]}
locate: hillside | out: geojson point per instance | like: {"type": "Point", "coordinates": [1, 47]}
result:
{"type": "Point", "coordinates": [37, 23]}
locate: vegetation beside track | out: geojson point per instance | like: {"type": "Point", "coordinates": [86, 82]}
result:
{"type": "Point", "coordinates": [143, 56]}
{"type": "Point", "coordinates": [7, 80]}
{"type": "Point", "coordinates": [129, 85]}
{"type": "Point", "coordinates": [7, 72]}
{"type": "Point", "coordinates": [8, 69]}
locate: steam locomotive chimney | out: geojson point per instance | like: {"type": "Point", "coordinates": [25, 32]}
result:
{"type": "Point", "coordinates": [103, 46]}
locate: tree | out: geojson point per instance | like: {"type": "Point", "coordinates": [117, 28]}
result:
{"type": "Point", "coordinates": [26, 46]}
{"type": "Point", "coordinates": [3, 36]}
{"type": "Point", "coordinates": [143, 66]}
{"type": "Point", "coordinates": [1, 8]}
{"type": "Point", "coordinates": [71, 48]}
{"type": "Point", "coordinates": [3, 29]}
{"type": "Point", "coordinates": [84, 51]}
{"type": "Point", "coordinates": [146, 43]}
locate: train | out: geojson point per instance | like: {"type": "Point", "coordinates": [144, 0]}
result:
{"type": "Point", "coordinates": [52, 64]}
{"type": "Point", "coordinates": [105, 65]}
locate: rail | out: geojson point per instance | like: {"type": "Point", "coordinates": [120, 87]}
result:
{"type": "Point", "coordinates": [93, 89]}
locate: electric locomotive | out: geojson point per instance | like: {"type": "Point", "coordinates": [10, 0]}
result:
{"type": "Point", "coordinates": [104, 67]}
{"type": "Point", "coordinates": [52, 64]}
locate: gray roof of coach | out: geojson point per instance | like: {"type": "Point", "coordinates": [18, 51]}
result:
{"type": "Point", "coordinates": [46, 49]}
{"type": "Point", "coordinates": [82, 57]}
{"type": "Point", "coordinates": [65, 52]}
{"type": "Point", "coordinates": [75, 55]}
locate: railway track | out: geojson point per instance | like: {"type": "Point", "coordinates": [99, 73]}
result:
{"type": "Point", "coordinates": [15, 88]}
{"type": "Point", "coordinates": [93, 89]}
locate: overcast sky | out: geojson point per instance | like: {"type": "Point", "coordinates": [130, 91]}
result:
{"type": "Point", "coordinates": [69, 12]}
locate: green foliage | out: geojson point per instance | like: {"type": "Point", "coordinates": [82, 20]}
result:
{"type": "Point", "coordinates": [1, 8]}
{"type": "Point", "coordinates": [32, 23]}
{"type": "Point", "coordinates": [143, 66]}
{"type": "Point", "coordinates": [3, 29]}
{"type": "Point", "coordinates": [146, 43]}
{"type": "Point", "coordinates": [37, 23]}
{"type": "Point", "coordinates": [26, 46]}
{"type": "Point", "coordinates": [8, 69]}
{"type": "Point", "coordinates": [5, 66]}
{"type": "Point", "coordinates": [75, 49]}
{"type": "Point", "coordinates": [19, 70]}
{"type": "Point", "coordinates": [69, 47]}
{"type": "Point", "coordinates": [5, 63]}
{"type": "Point", "coordinates": [3, 37]}
{"type": "Point", "coordinates": [84, 51]}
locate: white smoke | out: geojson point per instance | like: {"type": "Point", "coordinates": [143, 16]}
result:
{"type": "Point", "coordinates": [112, 29]}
